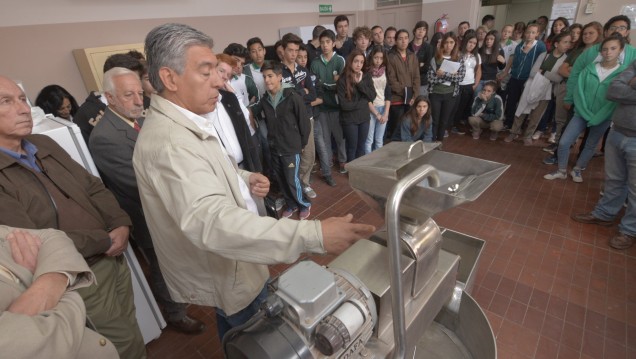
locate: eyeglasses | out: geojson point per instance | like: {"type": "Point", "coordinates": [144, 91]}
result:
{"type": "Point", "coordinates": [619, 28]}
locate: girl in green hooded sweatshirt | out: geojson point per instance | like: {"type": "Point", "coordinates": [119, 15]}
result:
{"type": "Point", "coordinates": [591, 108]}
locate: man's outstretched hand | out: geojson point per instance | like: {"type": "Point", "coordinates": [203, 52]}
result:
{"type": "Point", "coordinates": [339, 233]}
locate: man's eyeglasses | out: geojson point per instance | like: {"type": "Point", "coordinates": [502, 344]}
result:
{"type": "Point", "coordinates": [619, 28]}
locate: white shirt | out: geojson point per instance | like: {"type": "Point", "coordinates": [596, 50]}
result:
{"type": "Point", "coordinates": [240, 89]}
{"type": "Point", "coordinates": [206, 124]}
{"type": "Point", "coordinates": [258, 79]}
{"type": "Point", "coordinates": [225, 129]}
{"type": "Point", "coordinates": [470, 63]}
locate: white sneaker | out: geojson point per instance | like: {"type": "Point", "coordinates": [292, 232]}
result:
{"type": "Point", "coordinates": [537, 135]}
{"type": "Point", "coordinates": [576, 175]}
{"type": "Point", "coordinates": [556, 175]}
{"type": "Point", "coordinates": [552, 138]}
{"type": "Point", "coordinates": [310, 192]}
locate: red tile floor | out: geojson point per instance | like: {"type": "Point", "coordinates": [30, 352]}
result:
{"type": "Point", "coordinates": [550, 287]}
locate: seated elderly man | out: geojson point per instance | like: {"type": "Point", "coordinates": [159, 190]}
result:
{"type": "Point", "coordinates": [112, 143]}
{"type": "Point", "coordinates": [41, 316]}
{"type": "Point", "coordinates": [41, 186]}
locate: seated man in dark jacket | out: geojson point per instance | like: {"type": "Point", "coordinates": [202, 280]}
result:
{"type": "Point", "coordinates": [41, 186]}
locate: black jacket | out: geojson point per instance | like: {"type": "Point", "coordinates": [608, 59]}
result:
{"type": "Point", "coordinates": [356, 110]}
{"type": "Point", "coordinates": [424, 55]}
{"type": "Point", "coordinates": [249, 145]}
{"type": "Point", "coordinates": [288, 124]}
{"type": "Point", "coordinates": [89, 114]}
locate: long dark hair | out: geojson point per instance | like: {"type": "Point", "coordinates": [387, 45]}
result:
{"type": "Point", "coordinates": [439, 54]}
{"type": "Point", "coordinates": [579, 42]}
{"type": "Point", "coordinates": [412, 114]}
{"type": "Point", "coordinates": [550, 39]}
{"type": "Point", "coordinates": [51, 98]}
{"type": "Point", "coordinates": [491, 58]}
{"type": "Point", "coordinates": [435, 39]}
{"type": "Point", "coordinates": [348, 72]}
{"type": "Point", "coordinates": [374, 50]}
{"type": "Point", "coordinates": [464, 45]}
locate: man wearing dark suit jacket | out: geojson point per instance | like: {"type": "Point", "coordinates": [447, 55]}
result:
{"type": "Point", "coordinates": [111, 143]}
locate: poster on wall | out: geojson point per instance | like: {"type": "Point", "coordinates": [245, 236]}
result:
{"type": "Point", "coordinates": [630, 12]}
{"type": "Point", "coordinates": [566, 10]}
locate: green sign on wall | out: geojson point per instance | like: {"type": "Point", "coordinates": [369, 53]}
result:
{"type": "Point", "coordinates": [325, 9]}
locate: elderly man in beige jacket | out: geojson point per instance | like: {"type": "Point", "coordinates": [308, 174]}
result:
{"type": "Point", "coordinates": [202, 210]}
{"type": "Point", "coordinates": [41, 316]}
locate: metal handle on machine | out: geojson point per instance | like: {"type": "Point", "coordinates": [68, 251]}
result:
{"type": "Point", "coordinates": [412, 147]}
{"type": "Point", "coordinates": [393, 229]}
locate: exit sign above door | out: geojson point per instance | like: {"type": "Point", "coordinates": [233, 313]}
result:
{"type": "Point", "coordinates": [325, 9]}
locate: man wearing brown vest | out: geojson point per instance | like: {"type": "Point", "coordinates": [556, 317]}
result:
{"type": "Point", "coordinates": [41, 186]}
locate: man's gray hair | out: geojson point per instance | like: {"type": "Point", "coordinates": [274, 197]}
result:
{"type": "Point", "coordinates": [107, 83]}
{"type": "Point", "coordinates": [166, 46]}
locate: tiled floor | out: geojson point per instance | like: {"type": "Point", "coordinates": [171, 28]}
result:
{"type": "Point", "coordinates": [551, 287]}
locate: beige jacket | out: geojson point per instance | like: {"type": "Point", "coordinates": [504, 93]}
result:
{"type": "Point", "coordinates": [57, 333]}
{"type": "Point", "coordinates": [212, 251]}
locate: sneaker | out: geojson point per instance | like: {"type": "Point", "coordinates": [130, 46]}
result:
{"type": "Point", "coordinates": [304, 213]}
{"type": "Point", "coordinates": [289, 212]}
{"type": "Point", "coordinates": [550, 160]}
{"type": "Point", "coordinates": [556, 175]}
{"type": "Point", "coordinates": [445, 133]}
{"type": "Point", "coordinates": [493, 136]}
{"type": "Point", "coordinates": [511, 137]}
{"type": "Point", "coordinates": [342, 169]}
{"type": "Point", "coordinates": [310, 192]}
{"type": "Point", "coordinates": [552, 138]}
{"type": "Point", "coordinates": [476, 135]}
{"type": "Point", "coordinates": [537, 135]}
{"type": "Point", "coordinates": [279, 203]}
{"type": "Point", "coordinates": [458, 131]}
{"type": "Point", "coordinates": [576, 175]}
{"type": "Point", "coordinates": [330, 181]}
{"type": "Point", "coordinates": [527, 142]}
{"type": "Point", "coordinates": [550, 148]}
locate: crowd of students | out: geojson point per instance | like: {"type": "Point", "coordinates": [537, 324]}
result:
{"type": "Point", "coordinates": [339, 97]}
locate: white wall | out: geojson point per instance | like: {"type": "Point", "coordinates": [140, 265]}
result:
{"type": "Point", "coordinates": [38, 12]}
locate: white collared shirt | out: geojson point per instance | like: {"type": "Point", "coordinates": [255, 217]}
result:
{"type": "Point", "coordinates": [206, 124]}
{"type": "Point", "coordinates": [225, 129]}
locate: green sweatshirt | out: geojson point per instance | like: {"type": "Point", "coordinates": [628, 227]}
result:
{"type": "Point", "coordinates": [325, 71]}
{"type": "Point", "coordinates": [589, 97]}
{"type": "Point", "coordinates": [587, 57]}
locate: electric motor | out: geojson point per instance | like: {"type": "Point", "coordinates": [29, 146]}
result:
{"type": "Point", "coordinates": [326, 313]}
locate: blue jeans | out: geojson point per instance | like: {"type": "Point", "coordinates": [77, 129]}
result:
{"type": "Point", "coordinates": [375, 138]}
{"type": "Point", "coordinates": [323, 148]}
{"type": "Point", "coordinates": [571, 134]}
{"type": "Point", "coordinates": [355, 138]}
{"type": "Point", "coordinates": [226, 322]}
{"type": "Point", "coordinates": [620, 182]}
{"type": "Point", "coordinates": [330, 126]}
